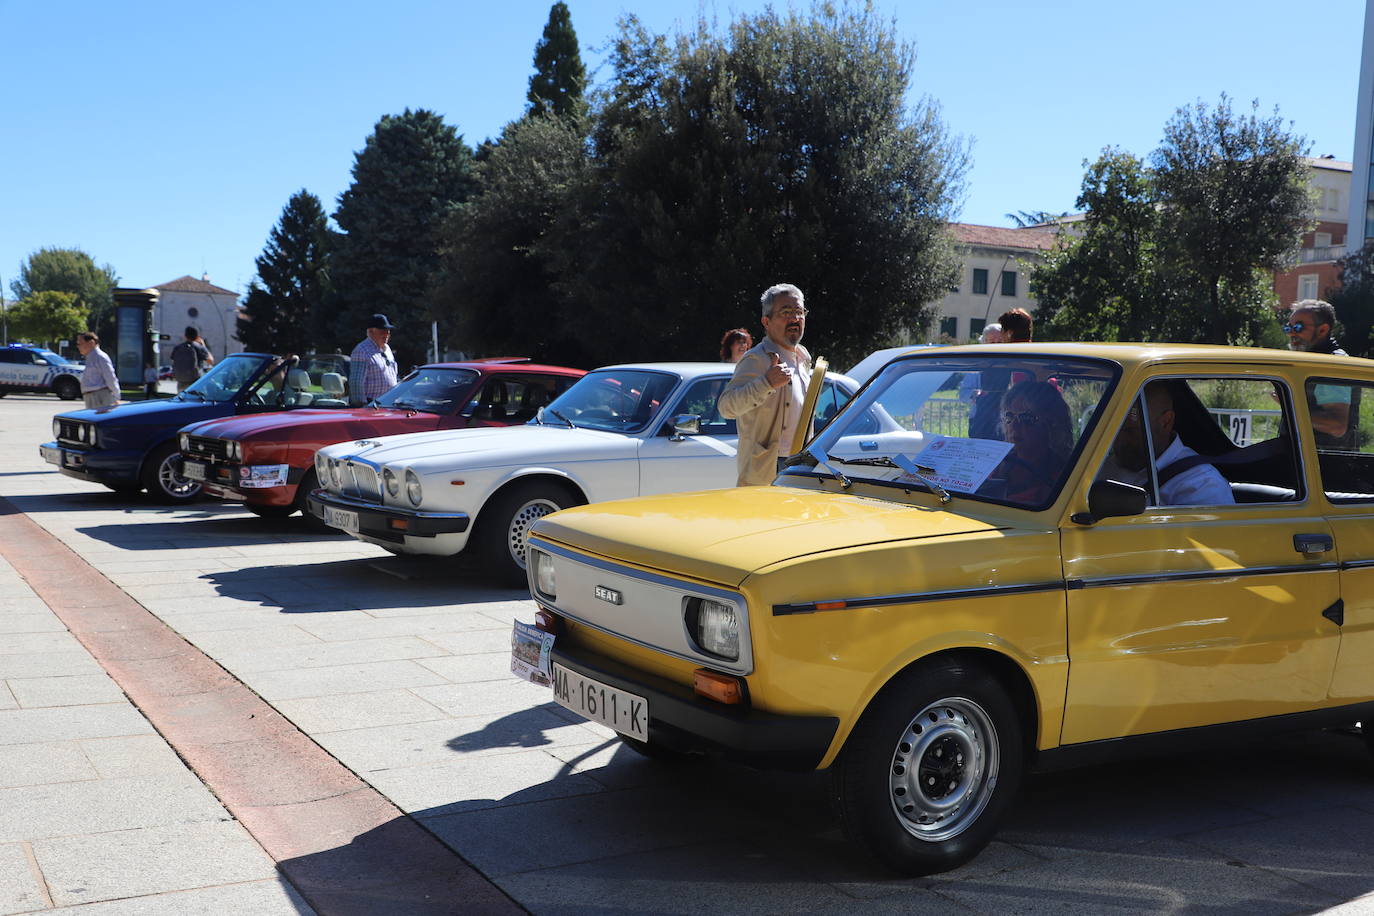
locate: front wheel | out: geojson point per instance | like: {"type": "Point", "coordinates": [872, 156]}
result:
{"type": "Point", "coordinates": [931, 768]}
{"type": "Point", "coordinates": [504, 529]}
{"type": "Point", "coordinates": [162, 476]}
{"type": "Point", "coordinates": [67, 388]}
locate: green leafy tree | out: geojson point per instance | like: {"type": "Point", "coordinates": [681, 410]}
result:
{"type": "Point", "coordinates": [1233, 190]}
{"type": "Point", "coordinates": [1354, 302]}
{"type": "Point", "coordinates": [407, 180]}
{"type": "Point", "coordinates": [499, 292]}
{"type": "Point", "coordinates": [285, 309]}
{"type": "Point", "coordinates": [47, 316]}
{"type": "Point", "coordinates": [71, 270]}
{"type": "Point", "coordinates": [783, 149]}
{"type": "Point", "coordinates": [559, 76]}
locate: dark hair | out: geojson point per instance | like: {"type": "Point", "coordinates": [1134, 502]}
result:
{"type": "Point", "coordinates": [1325, 312]}
{"type": "Point", "coordinates": [731, 337]}
{"type": "Point", "coordinates": [89, 337]}
{"type": "Point", "coordinates": [191, 333]}
{"type": "Point", "coordinates": [1048, 404]}
{"type": "Point", "coordinates": [1017, 323]}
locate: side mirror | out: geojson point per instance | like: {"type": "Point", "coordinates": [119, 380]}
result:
{"type": "Point", "coordinates": [684, 425]}
{"type": "Point", "coordinates": [1111, 499]}
{"type": "Point", "coordinates": [39, 361]}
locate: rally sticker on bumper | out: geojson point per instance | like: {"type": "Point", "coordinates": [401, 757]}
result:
{"type": "Point", "coordinates": [258, 476]}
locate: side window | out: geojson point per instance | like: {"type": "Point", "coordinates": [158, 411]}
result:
{"type": "Point", "coordinates": [1345, 452]}
{"type": "Point", "coordinates": [1208, 442]}
{"type": "Point", "coordinates": [11, 356]}
{"type": "Point", "coordinates": [832, 398]}
{"type": "Point", "coordinates": [701, 398]}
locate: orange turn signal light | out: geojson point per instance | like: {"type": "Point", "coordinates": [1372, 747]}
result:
{"type": "Point", "coordinates": [830, 605]}
{"type": "Point", "coordinates": [548, 621]}
{"type": "Point", "coordinates": [723, 688]}
{"type": "Point", "coordinates": [457, 483]}
{"type": "Point", "coordinates": [399, 524]}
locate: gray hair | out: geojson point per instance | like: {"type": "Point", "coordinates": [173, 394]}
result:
{"type": "Point", "coordinates": [993, 328]}
{"type": "Point", "coordinates": [780, 289]}
{"type": "Point", "coordinates": [1325, 311]}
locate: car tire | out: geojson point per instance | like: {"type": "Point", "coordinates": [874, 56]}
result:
{"type": "Point", "coordinates": [931, 767]}
{"type": "Point", "coordinates": [309, 483]}
{"type": "Point", "coordinates": [505, 521]}
{"type": "Point", "coordinates": [162, 478]}
{"type": "Point", "coordinates": [66, 388]}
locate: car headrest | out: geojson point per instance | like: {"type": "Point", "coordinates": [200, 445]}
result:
{"type": "Point", "coordinates": [332, 383]}
{"type": "Point", "coordinates": [298, 378]}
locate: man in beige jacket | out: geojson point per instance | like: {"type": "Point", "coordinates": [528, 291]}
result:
{"type": "Point", "coordinates": [766, 392]}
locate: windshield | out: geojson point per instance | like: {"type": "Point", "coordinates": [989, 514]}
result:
{"type": "Point", "coordinates": [431, 390]}
{"type": "Point", "coordinates": [223, 381]}
{"type": "Point", "coordinates": [990, 428]}
{"type": "Point", "coordinates": [615, 400]}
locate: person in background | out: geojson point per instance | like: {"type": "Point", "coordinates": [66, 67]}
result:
{"type": "Point", "coordinates": [149, 381]}
{"type": "Point", "coordinates": [766, 392]}
{"type": "Point", "coordinates": [1311, 328]}
{"type": "Point", "coordinates": [189, 359]}
{"type": "Point", "coordinates": [372, 371]}
{"type": "Point", "coordinates": [971, 385]}
{"type": "Point", "coordinates": [99, 384]}
{"type": "Point", "coordinates": [735, 344]}
{"type": "Point", "coordinates": [1017, 325]}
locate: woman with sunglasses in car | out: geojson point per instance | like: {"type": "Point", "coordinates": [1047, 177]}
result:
{"type": "Point", "coordinates": [1035, 420]}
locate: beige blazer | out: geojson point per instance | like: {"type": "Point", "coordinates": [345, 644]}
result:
{"type": "Point", "coordinates": [758, 412]}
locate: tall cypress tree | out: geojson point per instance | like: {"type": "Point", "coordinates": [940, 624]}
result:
{"type": "Point", "coordinates": [285, 304]}
{"type": "Point", "coordinates": [559, 77]}
{"type": "Point", "coordinates": [407, 180]}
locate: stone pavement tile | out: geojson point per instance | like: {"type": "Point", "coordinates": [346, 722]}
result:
{"type": "Point", "coordinates": [253, 642]}
{"type": "Point", "coordinates": [160, 567]}
{"type": "Point", "coordinates": [273, 897]}
{"type": "Point", "coordinates": [466, 784]}
{"type": "Point", "coordinates": [15, 621]}
{"type": "Point", "coordinates": [614, 765]}
{"type": "Point", "coordinates": [384, 610]}
{"type": "Point", "coordinates": [7, 698]}
{"type": "Point", "coordinates": [364, 626]}
{"type": "Point", "coordinates": [67, 690]}
{"type": "Point", "coordinates": [367, 749]}
{"type": "Point", "coordinates": [150, 860]}
{"type": "Point", "coordinates": [563, 831]}
{"type": "Point", "coordinates": [62, 723]}
{"type": "Point", "coordinates": [485, 697]}
{"type": "Point", "coordinates": [21, 890]}
{"type": "Point", "coordinates": [1163, 875]}
{"type": "Point", "coordinates": [94, 806]}
{"type": "Point", "coordinates": [138, 755]}
{"type": "Point", "coordinates": [303, 683]}
{"type": "Point", "coordinates": [469, 669]}
{"type": "Point", "coordinates": [357, 710]}
{"type": "Point", "coordinates": [1327, 848]}
{"type": "Point", "coordinates": [1361, 906]}
{"type": "Point", "coordinates": [43, 762]}
{"type": "Point", "coordinates": [720, 876]}
{"type": "Point", "coordinates": [313, 653]}
{"type": "Point", "coordinates": [12, 601]}
{"type": "Point", "coordinates": [75, 661]}
{"type": "Point", "coordinates": [473, 642]}
{"type": "Point", "coordinates": [208, 605]}
{"type": "Point", "coordinates": [241, 618]}
{"type": "Point", "coordinates": [30, 643]}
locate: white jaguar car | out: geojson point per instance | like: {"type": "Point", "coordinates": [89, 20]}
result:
{"type": "Point", "coordinates": [621, 431]}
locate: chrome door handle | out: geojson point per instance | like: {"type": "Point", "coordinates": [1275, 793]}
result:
{"type": "Point", "coordinates": [1312, 543]}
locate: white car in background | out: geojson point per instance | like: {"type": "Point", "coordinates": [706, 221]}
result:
{"type": "Point", "coordinates": [621, 431]}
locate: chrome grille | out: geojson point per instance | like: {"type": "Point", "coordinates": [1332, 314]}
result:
{"type": "Point", "coordinates": [361, 481]}
{"type": "Point", "coordinates": [75, 431]}
{"type": "Point", "coordinates": [203, 447]}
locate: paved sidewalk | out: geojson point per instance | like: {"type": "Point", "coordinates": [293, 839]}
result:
{"type": "Point", "coordinates": [399, 669]}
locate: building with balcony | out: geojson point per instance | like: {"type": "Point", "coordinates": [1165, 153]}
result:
{"type": "Point", "coordinates": [1317, 271]}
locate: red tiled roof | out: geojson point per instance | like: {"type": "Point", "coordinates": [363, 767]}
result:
{"type": "Point", "coordinates": [189, 284]}
{"type": "Point", "coordinates": [1037, 238]}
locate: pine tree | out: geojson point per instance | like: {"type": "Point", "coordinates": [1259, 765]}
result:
{"type": "Point", "coordinates": [285, 304]}
{"type": "Point", "coordinates": [559, 77]}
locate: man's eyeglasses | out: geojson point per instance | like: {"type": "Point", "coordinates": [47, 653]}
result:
{"type": "Point", "coordinates": [790, 313]}
{"type": "Point", "coordinates": [1024, 418]}
{"type": "Point", "coordinates": [1294, 328]}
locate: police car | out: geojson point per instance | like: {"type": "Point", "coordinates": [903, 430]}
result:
{"type": "Point", "coordinates": [28, 368]}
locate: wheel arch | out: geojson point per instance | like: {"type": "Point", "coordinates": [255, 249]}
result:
{"type": "Point", "coordinates": [550, 476]}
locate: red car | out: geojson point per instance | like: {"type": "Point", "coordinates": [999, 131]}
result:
{"type": "Point", "coordinates": [267, 461]}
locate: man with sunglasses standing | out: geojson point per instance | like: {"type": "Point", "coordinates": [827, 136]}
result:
{"type": "Point", "coordinates": [1311, 328]}
{"type": "Point", "coordinates": [766, 392]}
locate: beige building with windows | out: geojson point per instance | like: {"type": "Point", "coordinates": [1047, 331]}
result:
{"type": "Point", "coordinates": [995, 278]}
{"type": "Point", "coordinates": [212, 310]}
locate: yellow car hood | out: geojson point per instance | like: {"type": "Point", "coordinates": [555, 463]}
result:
{"type": "Point", "coordinates": [724, 535]}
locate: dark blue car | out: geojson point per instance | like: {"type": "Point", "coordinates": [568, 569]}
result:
{"type": "Point", "coordinates": [134, 446]}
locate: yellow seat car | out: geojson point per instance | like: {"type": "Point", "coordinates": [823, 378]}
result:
{"type": "Point", "coordinates": [993, 558]}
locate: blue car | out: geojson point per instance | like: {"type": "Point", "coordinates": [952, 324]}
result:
{"type": "Point", "coordinates": [134, 446]}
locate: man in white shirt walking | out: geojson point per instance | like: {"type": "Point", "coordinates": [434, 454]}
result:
{"type": "Point", "coordinates": [99, 385]}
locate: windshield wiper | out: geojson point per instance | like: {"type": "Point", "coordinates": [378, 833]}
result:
{"type": "Point", "coordinates": [571, 424]}
{"type": "Point", "coordinates": [403, 405]}
{"type": "Point", "coordinates": [820, 457]}
{"type": "Point", "coordinates": [902, 463]}
{"type": "Point", "coordinates": [196, 393]}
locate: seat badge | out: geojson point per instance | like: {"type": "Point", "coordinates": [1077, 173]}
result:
{"type": "Point", "coordinates": [608, 594]}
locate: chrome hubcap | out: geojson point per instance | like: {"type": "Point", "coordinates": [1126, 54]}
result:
{"type": "Point", "coordinates": [944, 769]}
{"type": "Point", "coordinates": [517, 536]}
{"type": "Point", "coordinates": [171, 481]}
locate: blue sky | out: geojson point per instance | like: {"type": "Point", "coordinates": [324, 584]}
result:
{"type": "Point", "coordinates": [164, 138]}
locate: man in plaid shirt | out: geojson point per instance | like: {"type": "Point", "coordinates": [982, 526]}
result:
{"type": "Point", "coordinates": [372, 371]}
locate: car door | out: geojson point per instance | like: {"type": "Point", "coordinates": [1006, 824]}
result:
{"type": "Point", "coordinates": [670, 463]}
{"type": "Point", "coordinates": [1345, 467]}
{"type": "Point", "coordinates": [1190, 615]}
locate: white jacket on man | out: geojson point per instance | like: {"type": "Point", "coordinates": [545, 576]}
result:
{"type": "Point", "coordinates": [758, 410]}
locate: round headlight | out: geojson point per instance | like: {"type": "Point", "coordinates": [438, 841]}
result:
{"type": "Point", "coordinates": [185, 442]}
{"type": "Point", "coordinates": [413, 487]}
{"type": "Point", "coordinates": [393, 483]}
{"type": "Point", "coordinates": [545, 581]}
{"type": "Point", "coordinates": [718, 629]}
{"type": "Point", "coordinates": [56, 428]}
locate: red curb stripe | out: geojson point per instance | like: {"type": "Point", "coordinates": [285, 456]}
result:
{"type": "Point", "coordinates": [342, 845]}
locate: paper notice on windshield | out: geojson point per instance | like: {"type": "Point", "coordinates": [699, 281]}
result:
{"type": "Point", "coordinates": [960, 465]}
